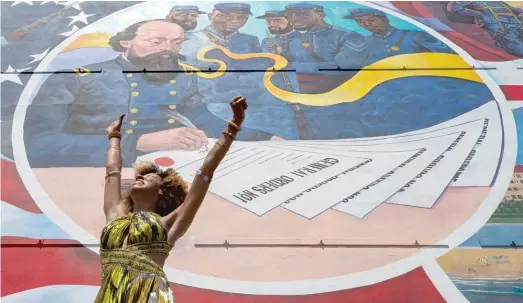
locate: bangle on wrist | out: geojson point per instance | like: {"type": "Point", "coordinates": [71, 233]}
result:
{"type": "Point", "coordinates": [228, 134]}
{"type": "Point", "coordinates": [114, 134]}
{"type": "Point", "coordinates": [204, 177]}
{"type": "Point", "coordinates": [234, 125]}
{"type": "Point", "coordinates": [113, 173]}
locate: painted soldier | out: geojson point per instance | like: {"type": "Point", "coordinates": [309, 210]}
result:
{"type": "Point", "coordinates": [185, 16]}
{"type": "Point", "coordinates": [226, 21]}
{"type": "Point", "coordinates": [501, 21]}
{"type": "Point", "coordinates": [410, 107]}
{"type": "Point", "coordinates": [283, 33]}
{"type": "Point", "coordinates": [283, 40]}
{"type": "Point", "coordinates": [65, 124]}
{"type": "Point", "coordinates": [320, 48]}
{"type": "Point", "coordinates": [387, 41]}
{"type": "Point", "coordinates": [266, 113]}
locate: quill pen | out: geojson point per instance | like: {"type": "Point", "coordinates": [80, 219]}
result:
{"type": "Point", "coordinates": [182, 119]}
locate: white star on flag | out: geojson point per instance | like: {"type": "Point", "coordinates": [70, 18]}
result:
{"type": "Point", "coordinates": [69, 33]}
{"type": "Point", "coordinates": [72, 4]}
{"type": "Point", "coordinates": [11, 76]}
{"type": "Point", "coordinates": [55, 2]}
{"type": "Point", "coordinates": [81, 17]}
{"type": "Point", "coordinates": [38, 57]}
{"type": "Point", "coordinates": [23, 1]}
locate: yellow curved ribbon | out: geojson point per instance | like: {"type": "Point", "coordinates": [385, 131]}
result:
{"type": "Point", "coordinates": [349, 91]}
{"type": "Point", "coordinates": [359, 85]}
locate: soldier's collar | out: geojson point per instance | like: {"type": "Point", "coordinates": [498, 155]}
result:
{"type": "Point", "coordinates": [321, 29]}
{"type": "Point", "coordinates": [127, 65]}
{"type": "Point", "coordinates": [216, 33]}
{"type": "Point", "coordinates": [288, 34]}
{"type": "Point", "coordinates": [390, 30]}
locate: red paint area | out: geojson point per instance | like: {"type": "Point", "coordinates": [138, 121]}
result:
{"type": "Point", "coordinates": [477, 50]}
{"type": "Point", "coordinates": [412, 287]}
{"type": "Point", "coordinates": [408, 8]}
{"type": "Point", "coordinates": [164, 161]}
{"type": "Point", "coordinates": [512, 92]}
{"type": "Point", "coordinates": [28, 267]}
{"type": "Point", "coordinates": [31, 267]}
{"type": "Point", "coordinates": [518, 169]}
{"type": "Point", "coordinates": [13, 189]}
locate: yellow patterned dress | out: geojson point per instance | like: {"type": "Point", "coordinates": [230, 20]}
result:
{"type": "Point", "coordinates": [129, 275]}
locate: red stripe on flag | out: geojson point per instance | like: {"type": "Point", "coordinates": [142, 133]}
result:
{"type": "Point", "coordinates": [512, 92]}
{"type": "Point", "coordinates": [414, 286]}
{"type": "Point", "coordinates": [29, 267]}
{"type": "Point", "coordinates": [13, 190]}
{"type": "Point", "coordinates": [518, 169]}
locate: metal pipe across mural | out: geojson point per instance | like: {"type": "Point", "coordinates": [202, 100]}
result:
{"type": "Point", "coordinates": [378, 162]}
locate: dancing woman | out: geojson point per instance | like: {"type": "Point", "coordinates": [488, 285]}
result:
{"type": "Point", "coordinates": [143, 226]}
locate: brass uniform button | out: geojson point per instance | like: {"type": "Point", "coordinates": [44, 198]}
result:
{"type": "Point", "coordinates": [133, 122]}
{"type": "Point", "coordinates": [172, 106]}
{"type": "Point", "coordinates": [129, 131]}
{"type": "Point", "coordinates": [171, 121]}
{"type": "Point", "coordinates": [135, 94]}
{"type": "Point", "coordinates": [134, 110]}
{"type": "Point", "coordinates": [134, 84]}
{"type": "Point", "coordinates": [173, 92]}
{"type": "Point", "coordinates": [172, 81]}
{"type": "Point", "coordinates": [129, 75]}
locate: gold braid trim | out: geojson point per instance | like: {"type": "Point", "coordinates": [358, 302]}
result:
{"type": "Point", "coordinates": [159, 247]}
{"type": "Point", "coordinates": [136, 261]}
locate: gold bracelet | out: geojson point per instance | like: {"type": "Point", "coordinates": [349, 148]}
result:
{"type": "Point", "coordinates": [226, 133]}
{"type": "Point", "coordinates": [221, 145]}
{"type": "Point", "coordinates": [110, 146]}
{"type": "Point", "coordinates": [114, 134]}
{"type": "Point", "coordinates": [234, 125]}
{"type": "Point", "coordinates": [113, 173]}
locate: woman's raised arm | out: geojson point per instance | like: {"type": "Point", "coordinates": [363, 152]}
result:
{"type": "Point", "coordinates": [181, 218]}
{"type": "Point", "coordinates": [113, 168]}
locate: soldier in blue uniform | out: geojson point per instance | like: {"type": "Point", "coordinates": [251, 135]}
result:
{"type": "Point", "coordinates": [321, 48]}
{"type": "Point", "coordinates": [185, 16]}
{"type": "Point", "coordinates": [395, 106]}
{"type": "Point", "coordinates": [65, 124]}
{"type": "Point", "coordinates": [501, 21]}
{"type": "Point", "coordinates": [286, 38]}
{"type": "Point", "coordinates": [387, 41]}
{"type": "Point", "coordinates": [266, 113]}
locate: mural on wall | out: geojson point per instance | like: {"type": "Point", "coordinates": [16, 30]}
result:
{"type": "Point", "coordinates": [378, 152]}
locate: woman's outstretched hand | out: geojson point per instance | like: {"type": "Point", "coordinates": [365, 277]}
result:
{"type": "Point", "coordinates": [116, 126]}
{"type": "Point", "coordinates": [238, 106]}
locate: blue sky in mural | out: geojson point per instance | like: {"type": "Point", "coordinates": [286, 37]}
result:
{"type": "Point", "coordinates": [335, 13]}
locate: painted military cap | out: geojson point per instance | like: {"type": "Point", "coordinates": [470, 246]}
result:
{"type": "Point", "coordinates": [239, 8]}
{"type": "Point", "coordinates": [360, 12]}
{"type": "Point", "coordinates": [273, 14]}
{"type": "Point", "coordinates": [303, 7]}
{"type": "Point", "coordinates": [187, 8]}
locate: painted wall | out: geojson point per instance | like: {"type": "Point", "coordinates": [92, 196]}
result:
{"type": "Point", "coordinates": [379, 160]}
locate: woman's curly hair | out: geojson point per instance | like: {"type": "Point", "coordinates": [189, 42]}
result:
{"type": "Point", "coordinates": [173, 187]}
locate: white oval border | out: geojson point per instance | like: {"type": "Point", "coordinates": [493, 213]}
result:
{"type": "Point", "coordinates": [425, 258]}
